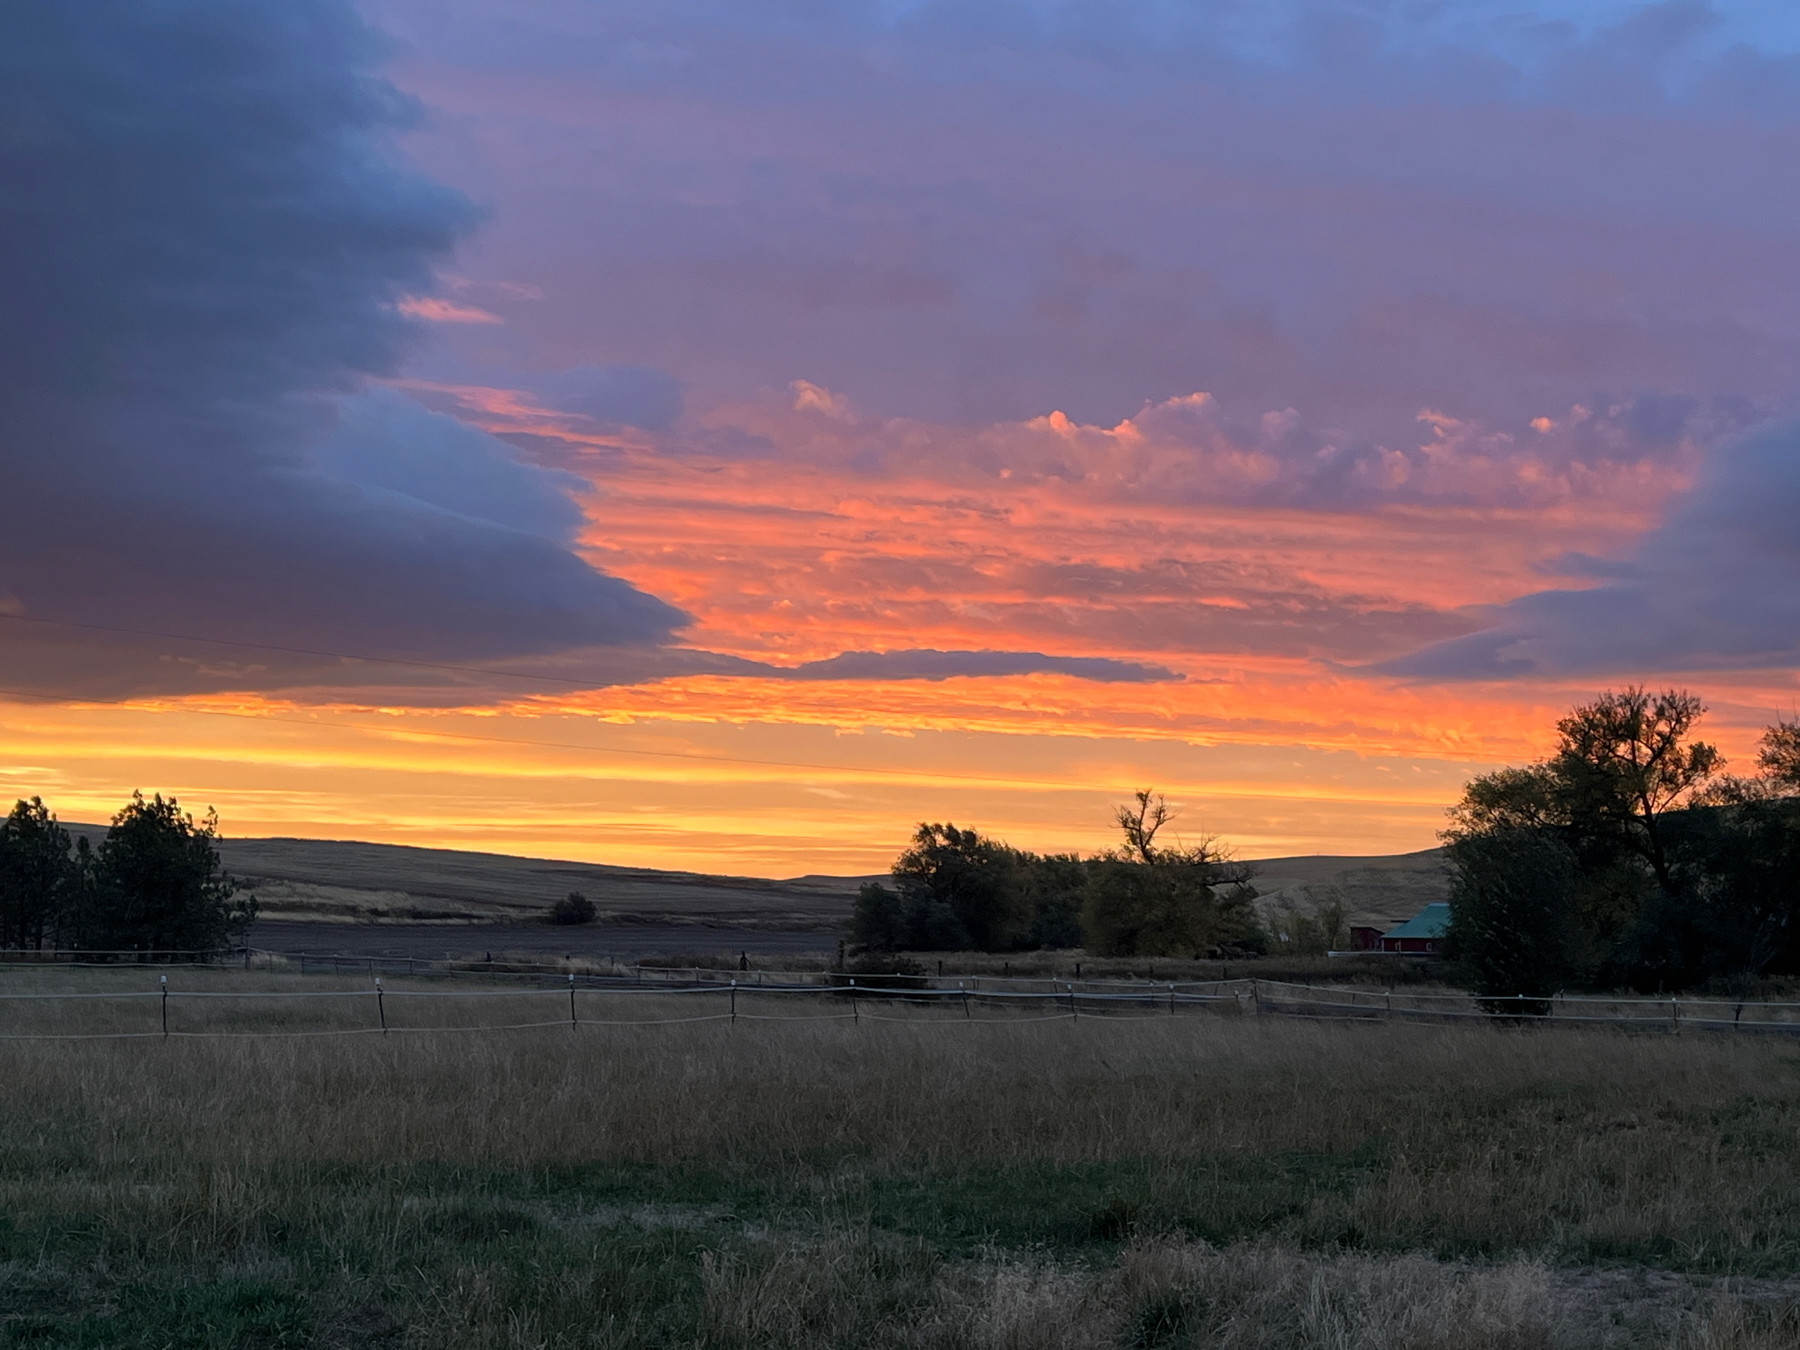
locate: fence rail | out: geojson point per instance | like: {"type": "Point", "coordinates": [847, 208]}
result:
{"type": "Point", "coordinates": [574, 1000]}
{"type": "Point", "coordinates": [584, 968]}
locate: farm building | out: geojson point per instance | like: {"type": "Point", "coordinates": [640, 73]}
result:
{"type": "Point", "coordinates": [1421, 935]}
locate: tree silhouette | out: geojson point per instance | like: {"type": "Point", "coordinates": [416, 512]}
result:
{"type": "Point", "coordinates": [157, 884]}
{"type": "Point", "coordinates": [37, 875]}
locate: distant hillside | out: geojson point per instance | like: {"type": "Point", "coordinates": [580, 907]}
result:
{"type": "Point", "coordinates": [342, 881]}
{"type": "Point", "coordinates": [1377, 891]}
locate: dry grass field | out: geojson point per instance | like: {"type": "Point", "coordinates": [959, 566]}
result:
{"type": "Point", "coordinates": [346, 881]}
{"type": "Point", "coordinates": [338, 881]}
{"type": "Point", "coordinates": [1204, 1180]}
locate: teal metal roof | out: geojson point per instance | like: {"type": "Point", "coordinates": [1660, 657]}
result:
{"type": "Point", "coordinates": [1431, 922]}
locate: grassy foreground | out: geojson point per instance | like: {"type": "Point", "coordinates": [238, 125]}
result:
{"type": "Point", "coordinates": [1205, 1180]}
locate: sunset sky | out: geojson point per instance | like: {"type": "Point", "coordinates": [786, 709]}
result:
{"type": "Point", "coordinates": [721, 435]}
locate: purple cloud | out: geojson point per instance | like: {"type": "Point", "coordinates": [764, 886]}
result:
{"type": "Point", "coordinates": [1716, 586]}
{"type": "Point", "coordinates": [978, 213]}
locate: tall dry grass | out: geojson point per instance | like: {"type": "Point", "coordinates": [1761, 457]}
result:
{"type": "Point", "coordinates": [1345, 1155]}
{"type": "Point", "coordinates": [926, 1086]}
{"type": "Point", "coordinates": [1504, 1138]}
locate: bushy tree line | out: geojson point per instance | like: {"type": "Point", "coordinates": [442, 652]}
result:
{"type": "Point", "coordinates": [153, 884]}
{"type": "Point", "coordinates": [1628, 858]}
{"type": "Point", "coordinates": [956, 889]}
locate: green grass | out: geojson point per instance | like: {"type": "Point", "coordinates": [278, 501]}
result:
{"type": "Point", "coordinates": [613, 1254]}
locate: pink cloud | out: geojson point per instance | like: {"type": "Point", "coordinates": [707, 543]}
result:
{"type": "Point", "coordinates": [434, 309]}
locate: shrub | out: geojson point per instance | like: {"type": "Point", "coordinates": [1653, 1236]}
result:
{"type": "Point", "coordinates": [573, 908]}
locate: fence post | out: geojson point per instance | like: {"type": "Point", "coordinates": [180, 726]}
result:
{"type": "Point", "coordinates": [165, 1007]}
{"type": "Point", "coordinates": [965, 999]}
{"type": "Point", "coordinates": [381, 1005]}
{"type": "Point", "coordinates": [1674, 1014]}
{"type": "Point", "coordinates": [1390, 1006]}
{"type": "Point", "coordinates": [1071, 989]}
{"type": "Point", "coordinates": [571, 998]}
{"type": "Point", "coordinates": [1255, 997]}
{"type": "Point", "coordinates": [855, 1015]}
{"type": "Point", "coordinates": [734, 999]}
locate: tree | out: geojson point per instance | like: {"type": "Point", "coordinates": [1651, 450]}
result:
{"type": "Point", "coordinates": [957, 890]}
{"type": "Point", "coordinates": [1152, 899]}
{"type": "Point", "coordinates": [1515, 919]}
{"type": "Point", "coordinates": [954, 889]}
{"type": "Point", "coordinates": [1624, 761]}
{"type": "Point", "coordinates": [878, 923]}
{"type": "Point", "coordinates": [1779, 756]}
{"type": "Point", "coordinates": [1510, 800]}
{"type": "Point", "coordinates": [960, 890]}
{"type": "Point", "coordinates": [37, 875]}
{"type": "Point", "coordinates": [1628, 857]}
{"type": "Point", "coordinates": [1053, 887]}
{"type": "Point", "coordinates": [1314, 929]}
{"type": "Point", "coordinates": [157, 884]}
{"type": "Point", "coordinates": [1146, 909]}
{"type": "Point", "coordinates": [573, 908]}
{"type": "Point", "coordinates": [1735, 909]}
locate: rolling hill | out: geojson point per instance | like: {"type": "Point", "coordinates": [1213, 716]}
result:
{"type": "Point", "coordinates": [345, 881]}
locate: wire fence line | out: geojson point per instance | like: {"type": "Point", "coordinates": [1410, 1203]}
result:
{"type": "Point", "coordinates": [187, 1013]}
{"type": "Point", "coordinates": [586, 967]}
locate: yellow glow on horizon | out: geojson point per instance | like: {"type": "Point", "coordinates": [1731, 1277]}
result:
{"type": "Point", "coordinates": [751, 797]}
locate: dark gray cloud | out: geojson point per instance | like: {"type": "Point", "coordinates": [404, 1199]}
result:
{"type": "Point", "coordinates": [205, 240]}
{"type": "Point", "coordinates": [112, 664]}
{"type": "Point", "coordinates": [1717, 585]}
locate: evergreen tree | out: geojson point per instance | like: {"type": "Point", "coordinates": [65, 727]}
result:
{"type": "Point", "coordinates": [157, 884]}
{"type": "Point", "coordinates": [37, 875]}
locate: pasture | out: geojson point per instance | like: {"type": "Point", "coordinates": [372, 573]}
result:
{"type": "Point", "coordinates": [1207, 1180]}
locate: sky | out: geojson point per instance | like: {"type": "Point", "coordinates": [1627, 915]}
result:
{"type": "Point", "coordinates": [721, 436]}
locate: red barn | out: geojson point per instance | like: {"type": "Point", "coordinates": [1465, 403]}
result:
{"type": "Point", "coordinates": [1421, 935]}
